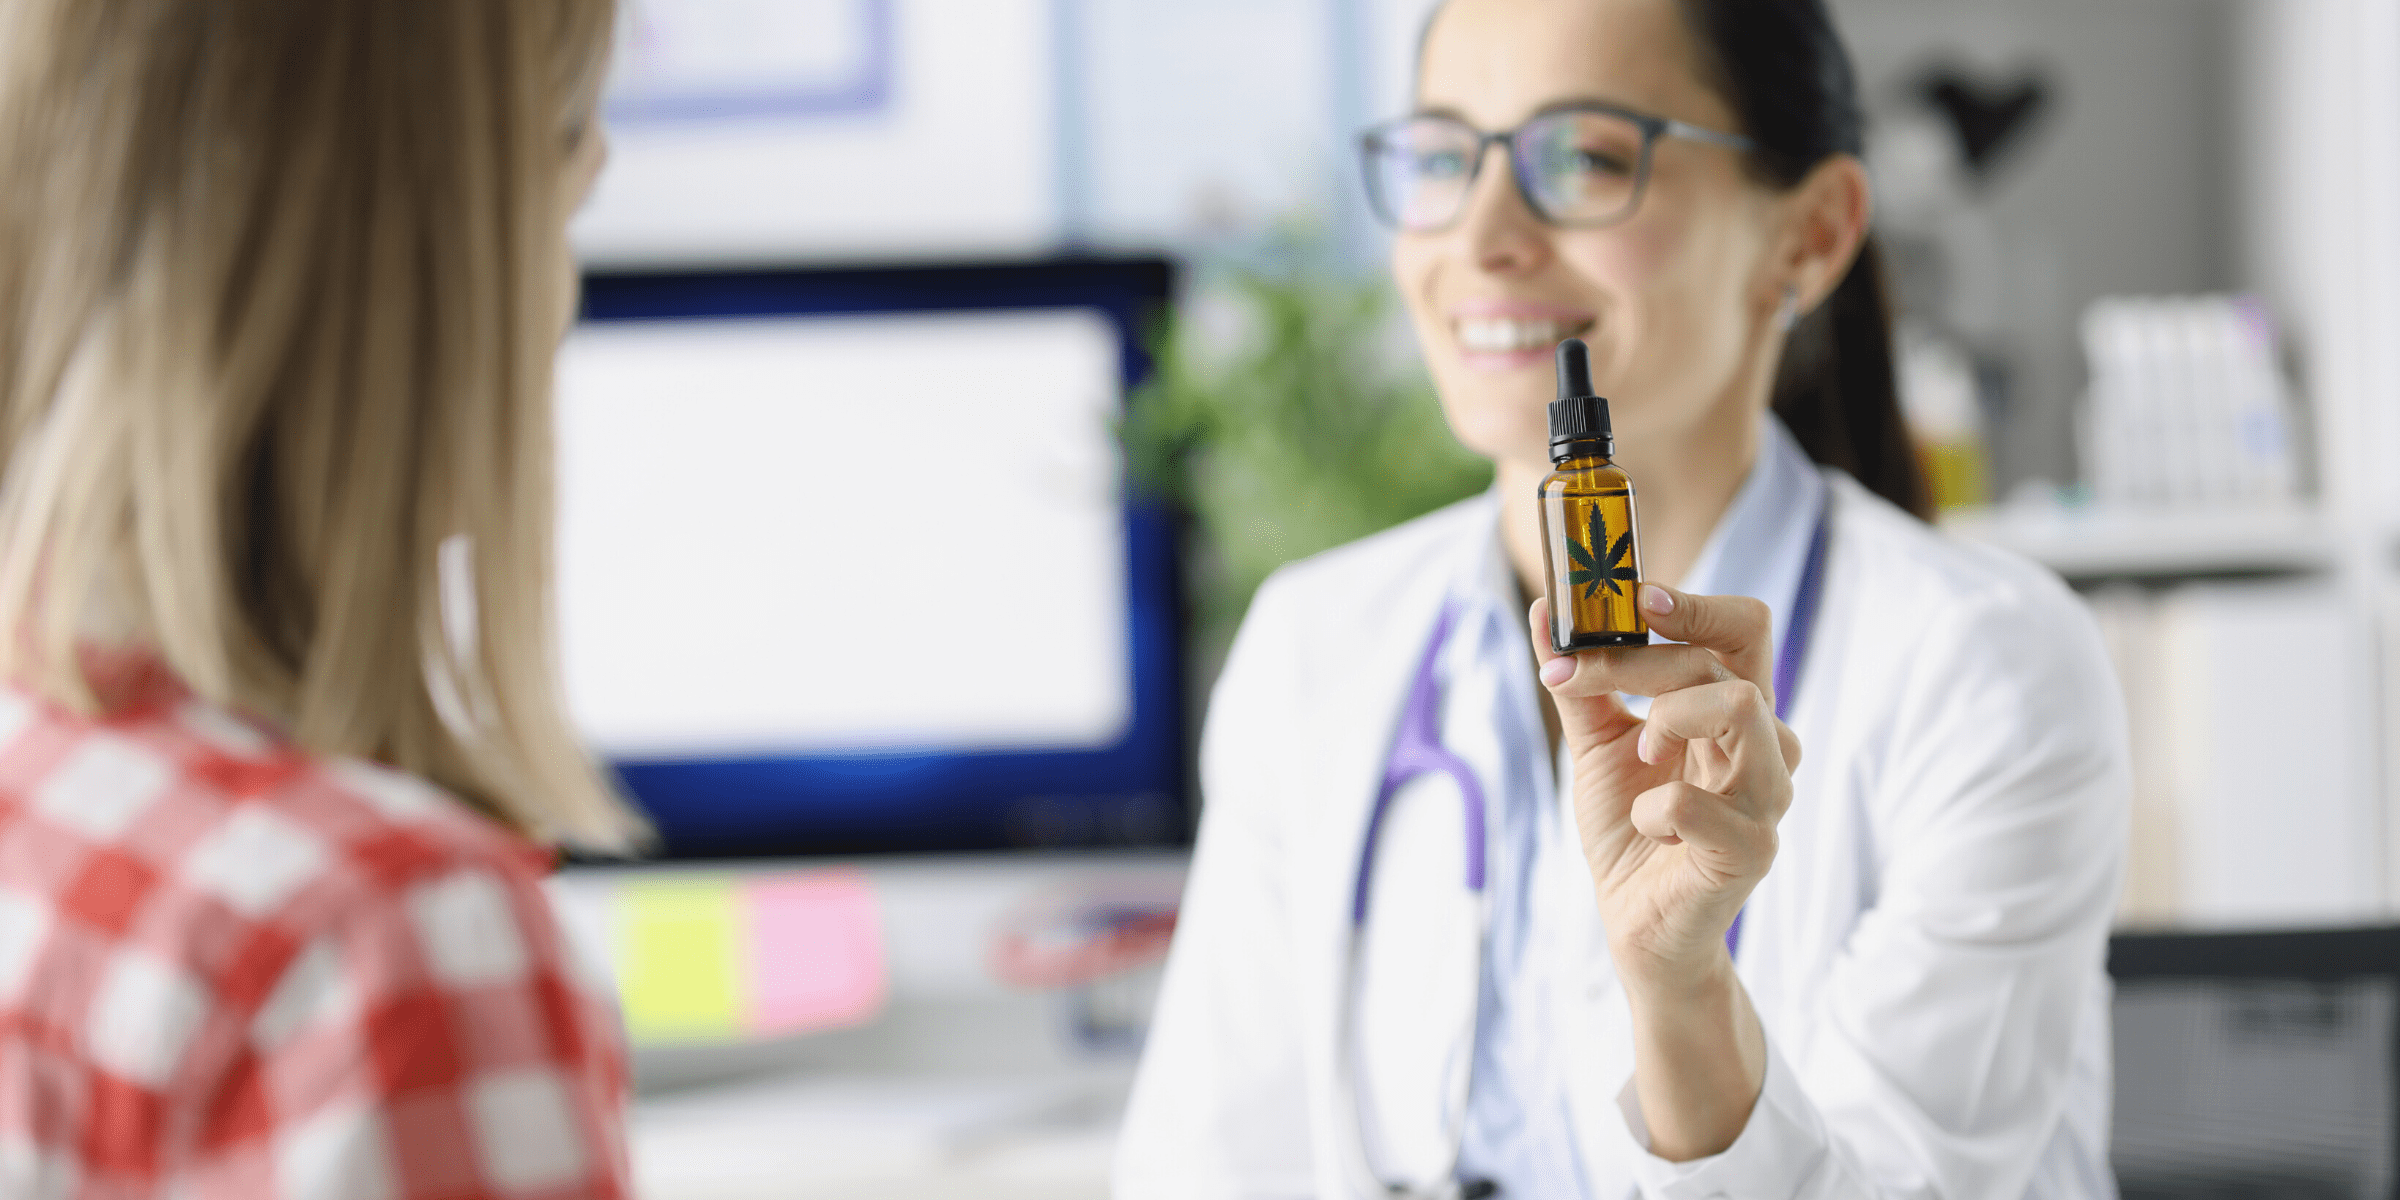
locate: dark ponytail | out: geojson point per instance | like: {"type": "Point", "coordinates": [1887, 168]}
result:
{"type": "Point", "coordinates": [1785, 71]}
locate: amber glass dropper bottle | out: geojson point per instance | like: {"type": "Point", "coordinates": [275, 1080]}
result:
{"type": "Point", "coordinates": [1591, 558]}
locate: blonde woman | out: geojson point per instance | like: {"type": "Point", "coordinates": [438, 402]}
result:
{"type": "Point", "coordinates": [281, 742]}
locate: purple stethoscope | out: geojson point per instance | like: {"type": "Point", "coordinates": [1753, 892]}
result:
{"type": "Point", "coordinates": [1417, 751]}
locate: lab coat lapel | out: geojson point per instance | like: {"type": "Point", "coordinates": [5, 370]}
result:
{"type": "Point", "coordinates": [1364, 670]}
{"type": "Point", "coordinates": [1595, 1036]}
{"type": "Point", "coordinates": [1824, 875]}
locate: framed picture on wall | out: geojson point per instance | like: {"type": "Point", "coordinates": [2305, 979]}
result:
{"type": "Point", "coordinates": [687, 60]}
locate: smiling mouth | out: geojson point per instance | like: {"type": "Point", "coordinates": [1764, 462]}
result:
{"type": "Point", "coordinates": [1516, 335]}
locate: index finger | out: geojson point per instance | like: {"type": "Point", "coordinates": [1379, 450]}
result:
{"type": "Point", "coordinates": [1739, 630]}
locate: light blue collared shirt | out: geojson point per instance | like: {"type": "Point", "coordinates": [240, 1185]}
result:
{"type": "Point", "coordinates": [1518, 1130]}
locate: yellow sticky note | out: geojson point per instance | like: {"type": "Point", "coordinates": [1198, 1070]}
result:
{"type": "Point", "coordinates": [679, 960]}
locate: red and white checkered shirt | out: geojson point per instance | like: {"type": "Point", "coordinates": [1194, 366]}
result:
{"type": "Point", "coordinates": [230, 969]}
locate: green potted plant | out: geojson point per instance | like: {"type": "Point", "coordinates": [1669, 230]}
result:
{"type": "Point", "coordinates": [1307, 431]}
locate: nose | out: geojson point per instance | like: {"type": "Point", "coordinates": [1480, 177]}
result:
{"type": "Point", "coordinates": [1498, 230]}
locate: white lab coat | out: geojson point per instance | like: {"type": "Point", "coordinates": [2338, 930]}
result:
{"type": "Point", "coordinates": [1926, 955]}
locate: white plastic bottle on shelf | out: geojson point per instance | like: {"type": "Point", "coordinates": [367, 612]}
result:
{"type": "Point", "coordinates": [2187, 405]}
{"type": "Point", "coordinates": [2262, 404]}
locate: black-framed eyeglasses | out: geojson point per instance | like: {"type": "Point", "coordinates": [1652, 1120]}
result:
{"type": "Point", "coordinates": [1582, 165]}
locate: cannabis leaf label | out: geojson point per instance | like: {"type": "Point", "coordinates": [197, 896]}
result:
{"type": "Point", "coordinates": [1591, 570]}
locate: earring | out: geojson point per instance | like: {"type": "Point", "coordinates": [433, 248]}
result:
{"type": "Point", "coordinates": [1787, 314]}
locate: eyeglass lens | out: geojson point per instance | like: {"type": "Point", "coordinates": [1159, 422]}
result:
{"type": "Point", "coordinates": [1575, 168]}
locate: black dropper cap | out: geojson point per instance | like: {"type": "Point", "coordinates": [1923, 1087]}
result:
{"type": "Point", "coordinates": [1578, 416]}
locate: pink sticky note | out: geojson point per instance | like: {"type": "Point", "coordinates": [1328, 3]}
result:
{"type": "Point", "coordinates": [816, 952]}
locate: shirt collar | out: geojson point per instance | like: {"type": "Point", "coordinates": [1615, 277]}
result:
{"type": "Point", "coordinates": [1760, 546]}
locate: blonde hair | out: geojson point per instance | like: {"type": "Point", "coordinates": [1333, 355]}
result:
{"type": "Point", "coordinates": [281, 282]}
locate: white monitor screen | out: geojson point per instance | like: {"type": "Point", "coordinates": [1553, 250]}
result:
{"type": "Point", "coordinates": [820, 534]}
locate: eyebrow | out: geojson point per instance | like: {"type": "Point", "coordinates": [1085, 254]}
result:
{"type": "Point", "coordinates": [1568, 104]}
{"type": "Point", "coordinates": [1439, 110]}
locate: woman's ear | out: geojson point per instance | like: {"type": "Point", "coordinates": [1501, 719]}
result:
{"type": "Point", "coordinates": [1827, 218]}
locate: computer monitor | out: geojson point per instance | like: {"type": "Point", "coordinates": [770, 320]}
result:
{"type": "Point", "coordinates": [847, 565]}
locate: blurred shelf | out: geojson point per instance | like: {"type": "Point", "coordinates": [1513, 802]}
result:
{"type": "Point", "coordinates": [2100, 544]}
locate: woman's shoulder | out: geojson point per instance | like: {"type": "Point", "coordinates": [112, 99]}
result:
{"type": "Point", "coordinates": [1956, 627]}
{"type": "Point", "coordinates": [1914, 573]}
{"type": "Point", "coordinates": [390, 853]}
{"type": "Point", "coordinates": [211, 867]}
{"type": "Point", "coordinates": [233, 830]}
{"type": "Point", "coordinates": [1358, 580]}
{"type": "Point", "coordinates": [1332, 624]}
{"type": "Point", "coordinates": [191, 900]}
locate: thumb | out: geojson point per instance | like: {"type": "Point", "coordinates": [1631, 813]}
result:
{"type": "Point", "coordinates": [1593, 718]}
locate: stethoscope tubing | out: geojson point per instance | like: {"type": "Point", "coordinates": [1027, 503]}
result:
{"type": "Point", "coordinates": [1416, 750]}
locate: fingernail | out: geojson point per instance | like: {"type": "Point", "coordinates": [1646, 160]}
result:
{"type": "Point", "coordinates": [1558, 671]}
{"type": "Point", "coordinates": [1657, 600]}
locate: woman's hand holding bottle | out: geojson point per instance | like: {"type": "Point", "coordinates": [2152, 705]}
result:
{"type": "Point", "coordinates": [1677, 813]}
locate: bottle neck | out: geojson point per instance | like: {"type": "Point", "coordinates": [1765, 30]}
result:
{"type": "Point", "coordinates": [1601, 449]}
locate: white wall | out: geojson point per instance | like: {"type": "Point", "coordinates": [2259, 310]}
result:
{"type": "Point", "coordinates": [1019, 126]}
{"type": "Point", "coordinates": [1206, 118]}
{"type": "Point", "coordinates": [961, 161]}
{"type": "Point", "coordinates": [2319, 93]}
{"type": "Point", "coordinates": [2320, 236]}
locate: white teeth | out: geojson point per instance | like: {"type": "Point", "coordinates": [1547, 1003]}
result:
{"type": "Point", "coordinates": [1508, 335]}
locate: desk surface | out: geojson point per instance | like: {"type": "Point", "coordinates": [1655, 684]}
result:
{"type": "Point", "coordinates": [882, 1137]}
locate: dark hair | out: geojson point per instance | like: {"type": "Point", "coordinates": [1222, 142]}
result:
{"type": "Point", "coordinates": [1783, 68]}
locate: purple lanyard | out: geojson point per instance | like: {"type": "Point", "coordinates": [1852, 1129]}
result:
{"type": "Point", "coordinates": [1788, 657]}
{"type": "Point", "coordinates": [1417, 749]}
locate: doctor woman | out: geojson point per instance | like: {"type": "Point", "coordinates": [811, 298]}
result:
{"type": "Point", "coordinates": [1467, 919]}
